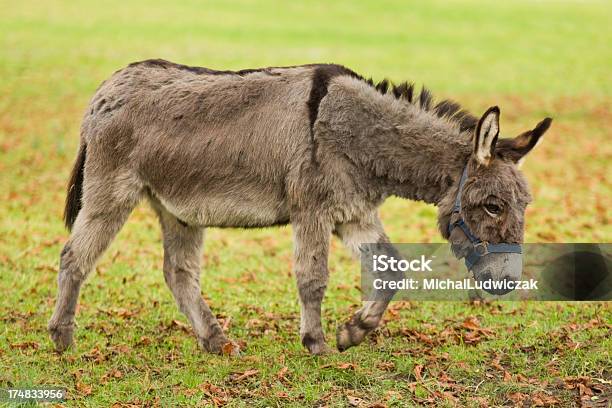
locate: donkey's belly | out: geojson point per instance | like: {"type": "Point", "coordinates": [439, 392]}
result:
{"type": "Point", "coordinates": [227, 210]}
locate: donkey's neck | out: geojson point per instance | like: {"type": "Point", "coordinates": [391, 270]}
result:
{"type": "Point", "coordinates": [403, 149]}
{"type": "Point", "coordinates": [434, 165]}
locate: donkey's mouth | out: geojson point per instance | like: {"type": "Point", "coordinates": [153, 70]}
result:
{"type": "Point", "coordinates": [498, 267]}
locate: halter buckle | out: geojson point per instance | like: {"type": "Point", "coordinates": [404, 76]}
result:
{"type": "Point", "coordinates": [481, 248]}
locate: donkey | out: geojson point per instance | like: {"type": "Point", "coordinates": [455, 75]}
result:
{"type": "Point", "coordinates": [317, 146]}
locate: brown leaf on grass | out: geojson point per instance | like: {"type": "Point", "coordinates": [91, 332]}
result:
{"type": "Point", "coordinates": [188, 392]}
{"type": "Point", "coordinates": [393, 395]}
{"type": "Point", "coordinates": [518, 398]}
{"type": "Point", "coordinates": [472, 323]}
{"type": "Point", "coordinates": [120, 312]}
{"type": "Point", "coordinates": [584, 390]}
{"type": "Point", "coordinates": [282, 374]}
{"type": "Point", "coordinates": [144, 341]}
{"type": "Point", "coordinates": [258, 327]}
{"type": "Point", "coordinates": [418, 371]}
{"type": "Point", "coordinates": [446, 381]}
{"type": "Point", "coordinates": [495, 363]}
{"type": "Point", "coordinates": [522, 379]}
{"type": "Point", "coordinates": [225, 323]}
{"type": "Point", "coordinates": [238, 377]}
{"type": "Point", "coordinates": [44, 267]}
{"type": "Point", "coordinates": [417, 336]}
{"type": "Point", "coordinates": [25, 345]}
{"type": "Point", "coordinates": [475, 333]}
{"type": "Point", "coordinates": [354, 401]}
{"type": "Point", "coordinates": [14, 315]}
{"type": "Point", "coordinates": [481, 401]}
{"type": "Point", "coordinates": [340, 366]}
{"type": "Point", "coordinates": [114, 373]}
{"type": "Point", "coordinates": [120, 349]}
{"type": "Point", "coordinates": [217, 395]}
{"type": "Point", "coordinates": [83, 388]}
{"type": "Point", "coordinates": [471, 338]}
{"type": "Point", "coordinates": [230, 349]}
{"type": "Point", "coordinates": [541, 399]}
{"type": "Point", "coordinates": [572, 382]}
{"type": "Point", "coordinates": [386, 366]}
{"type": "Point", "coordinates": [346, 366]}
{"type": "Point", "coordinates": [94, 355]}
{"type": "Point", "coordinates": [175, 324]}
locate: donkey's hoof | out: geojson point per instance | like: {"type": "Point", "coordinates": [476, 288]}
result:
{"type": "Point", "coordinates": [316, 347]}
{"type": "Point", "coordinates": [220, 345]}
{"type": "Point", "coordinates": [349, 335]}
{"type": "Point", "coordinates": [62, 336]}
{"type": "Point", "coordinates": [321, 350]}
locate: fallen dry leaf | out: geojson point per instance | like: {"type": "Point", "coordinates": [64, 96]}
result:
{"type": "Point", "coordinates": [94, 355]}
{"type": "Point", "coordinates": [83, 388]}
{"type": "Point", "coordinates": [282, 373]}
{"type": "Point", "coordinates": [144, 341]}
{"type": "Point", "coordinates": [237, 377]}
{"type": "Point", "coordinates": [230, 349]}
{"type": "Point", "coordinates": [418, 370]}
{"type": "Point", "coordinates": [175, 324]}
{"type": "Point", "coordinates": [346, 366]}
{"type": "Point", "coordinates": [354, 401]}
{"type": "Point", "coordinates": [386, 366]}
{"type": "Point", "coordinates": [541, 399]}
{"type": "Point", "coordinates": [495, 363]}
{"type": "Point", "coordinates": [25, 345]}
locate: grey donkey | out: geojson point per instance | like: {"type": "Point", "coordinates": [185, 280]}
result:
{"type": "Point", "coordinates": [316, 146]}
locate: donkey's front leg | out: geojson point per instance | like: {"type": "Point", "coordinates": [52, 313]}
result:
{"type": "Point", "coordinates": [311, 250]}
{"type": "Point", "coordinates": [366, 319]}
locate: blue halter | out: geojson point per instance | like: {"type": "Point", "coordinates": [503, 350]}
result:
{"type": "Point", "coordinates": [479, 248]}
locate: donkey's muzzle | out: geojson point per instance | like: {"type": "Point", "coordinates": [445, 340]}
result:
{"type": "Point", "coordinates": [497, 268]}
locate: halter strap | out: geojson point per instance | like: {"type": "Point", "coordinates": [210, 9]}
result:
{"type": "Point", "coordinates": [457, 206]}
{"type": "Point", "coordinates": [479, 248]}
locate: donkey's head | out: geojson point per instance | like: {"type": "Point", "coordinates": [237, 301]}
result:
{"type": "Point", "coordinates": [483, 216]}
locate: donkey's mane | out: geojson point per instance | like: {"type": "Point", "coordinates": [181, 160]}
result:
{"type": "Point", "coordinates": [446, 108]}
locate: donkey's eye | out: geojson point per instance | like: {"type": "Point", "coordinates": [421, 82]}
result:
{"type": "Point", "coordinates": [493, 209]}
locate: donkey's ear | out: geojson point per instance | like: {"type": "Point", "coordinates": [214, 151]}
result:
{"type": "Point", "coordinates": [485, 138]}
{"type": "Point", "coordinates": [516, 149]}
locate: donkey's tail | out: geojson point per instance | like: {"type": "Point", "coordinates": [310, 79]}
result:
{"type": "Point", "coordinates": [75, 188]}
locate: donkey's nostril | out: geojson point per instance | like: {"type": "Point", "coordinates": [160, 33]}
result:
{"type": "Point", "coordinates": [502, 289]}
{"type": "Point", "coordinates": [492, 285]}
{"type": "Point", "coordinates": [485, 276]}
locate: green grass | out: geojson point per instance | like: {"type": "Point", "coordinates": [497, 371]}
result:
{"type": "Point", "coordinates": [531, 58]}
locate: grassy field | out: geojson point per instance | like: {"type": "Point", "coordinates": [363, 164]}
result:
{"type": "Point", "coordinates": [533, 59]}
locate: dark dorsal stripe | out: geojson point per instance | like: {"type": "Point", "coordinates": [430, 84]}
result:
{"type": "Point", "coordinates": [320, 81]}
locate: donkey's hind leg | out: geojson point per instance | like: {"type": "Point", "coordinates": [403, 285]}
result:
{"type": "Point", "coordinates": [96, 225]}
{"type": "Point", "coordinates": [182, 252]}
